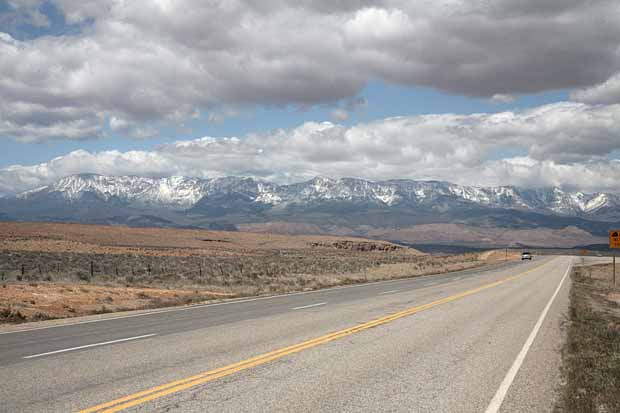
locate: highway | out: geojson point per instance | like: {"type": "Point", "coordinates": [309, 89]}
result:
{"type": "Point", "coordinates": [477, 340]}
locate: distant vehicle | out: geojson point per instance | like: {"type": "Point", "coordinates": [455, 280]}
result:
{"type": "Point", "coordinates": [526, 256]}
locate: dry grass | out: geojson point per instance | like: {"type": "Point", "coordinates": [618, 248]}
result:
{"type": "Point", "coordinates": [591, 355]}
{"type": "Point", "coordinates": [100, 239]}
{"type": "Point", "coordinates": [63, 258]}
{"type": "Point", "coordinates": [499, 255]}
{"type": "Point", "coordinates": [43, 301]}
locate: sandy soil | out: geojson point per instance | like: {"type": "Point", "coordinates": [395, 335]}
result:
{"type": "Point", "coordinates": [50, 270]}
{"type": "Point", "coordinates": [604, 272]}
{"type": "Point", "coordinates": [99, 239]}
{"type": "Point", "coordinates": [591, 354]}
{"type": "Point", "coordinates": [42, 301]}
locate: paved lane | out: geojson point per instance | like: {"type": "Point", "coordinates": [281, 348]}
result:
{"type": "Point", "coordinates": [448, 357]}
{"type": "Point", "coordinates": [15, 346]}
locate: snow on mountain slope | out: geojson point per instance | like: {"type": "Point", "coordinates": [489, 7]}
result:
{"type": "Point", "coordinates": [173, 191]}
{"type": "Point", "coordinates": [184, 192]}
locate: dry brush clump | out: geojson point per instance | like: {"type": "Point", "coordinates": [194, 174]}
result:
{"type": "Point", "coordinates": [358, 245]}
{"type": "Point", "coordinates": [591, 353]}
{"type": "Point", "coordinates": [274, 271]}
{"type": "Point", "coordinates": [207, 262]}
{"type": "Point", "coordinates": [21, 302]}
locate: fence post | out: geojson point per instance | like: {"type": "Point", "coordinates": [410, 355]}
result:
{"type": "Point", "coordinates": [92, 269]}
{"type": "Point", "coordinates": [614, 265]}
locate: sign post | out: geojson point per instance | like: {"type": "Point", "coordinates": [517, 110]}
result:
{"type": "Point", "coordinates": [614, 243]}
{"type": "Point", "coordinates": [583, 253]}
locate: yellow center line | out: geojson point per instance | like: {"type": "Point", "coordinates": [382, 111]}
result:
{"type": "Point", "coordinates": [192, 381]}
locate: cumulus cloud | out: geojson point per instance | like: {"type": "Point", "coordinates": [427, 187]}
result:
{"type": "Point", "coordinates": [502, 98]}
{"type": "Point", "coordinates": [607, 92]}
{"type": "Point", "coordinates": [523, 171]}
{"type": "Point", "coordinates": [132, 129]}
{"type": "Point", "coordinates": [164, 61]}
{"type": "Point", "coordinates": [568, 144]}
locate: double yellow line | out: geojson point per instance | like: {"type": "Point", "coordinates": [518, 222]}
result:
{"type": "Point", "coordinates": [189, 382]}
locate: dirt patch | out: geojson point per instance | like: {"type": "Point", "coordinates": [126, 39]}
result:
{"type": "Point", "coordinates": [500, 255]}
{"type": "Point", "coordinates": [101, 239]}
{"type": "Point", "coordinates": [21, 302]}
{"type": "Point", "coordinates": [591, 354]}
{"type": "Point", "coordinates": [42, 265]}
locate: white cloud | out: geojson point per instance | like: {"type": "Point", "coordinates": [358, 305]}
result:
{"type": "Point", "coordinates": [607, 92]}
{"type": "Point", "coordinates": [132, 129]}
{"type": "Point", "coordinates": [502, 98]}
{"type": "Point", "coordinates": [568, 144]}
{"type": "Point", "coordinates": [589, 176]}
{"type": "Point", "coordinates": [159, 61]}
{"type": "Point", "coordinates": [119, 124]}
{"type": "Point", "coordinates": [379, 26]}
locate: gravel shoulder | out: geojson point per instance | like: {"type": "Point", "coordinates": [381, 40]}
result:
{"type": "Point", "coordinates": [591, 354]}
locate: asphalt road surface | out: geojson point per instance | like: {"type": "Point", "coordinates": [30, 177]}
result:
{"type": "Point", "coordinates": [473, 341]}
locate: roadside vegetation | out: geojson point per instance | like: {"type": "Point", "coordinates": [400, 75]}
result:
{"type": "Point", "coordinates": [61, 270]}
{"type": "Point", "coordinates": [591, 355]}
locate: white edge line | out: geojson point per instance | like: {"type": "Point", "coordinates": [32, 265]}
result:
{"type": "Point", "coordinates": [89, 345]}
{"type": "Point", "coordinates": [502, 391]}
{"type": "Point", "coordinates": [232, 301]}
{"type": "Point", "coordinates": [308, 306]}
{"type": "Point", "coordinates": [389, 292]}
{"type": "Point", "coordinates": [242, 300]}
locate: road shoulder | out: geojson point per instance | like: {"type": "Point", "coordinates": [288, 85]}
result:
{"type": "Point", "coordinates": [536, 385]}
{"type": "Point", "coordinates": [591, 355]}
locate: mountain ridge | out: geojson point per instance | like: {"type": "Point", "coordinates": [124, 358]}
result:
{"type": "Point", "coordinates": [399, 209]}
{"type": "Point", "coordinates": [178, 192]}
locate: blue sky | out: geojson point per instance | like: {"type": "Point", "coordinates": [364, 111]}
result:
{"type": "Point", "coordinates": [383, 101]}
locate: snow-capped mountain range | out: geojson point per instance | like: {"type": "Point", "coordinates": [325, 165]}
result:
{"type": "Point", "coordinates": [183, 193]}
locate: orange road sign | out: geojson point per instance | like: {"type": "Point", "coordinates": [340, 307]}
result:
{"type": "Point", "coordinates": [614, 238]}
